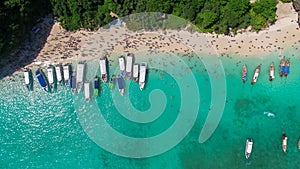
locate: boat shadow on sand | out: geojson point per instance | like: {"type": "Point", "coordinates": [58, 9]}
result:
{"type": "Point", "coordinates": [28, 50]}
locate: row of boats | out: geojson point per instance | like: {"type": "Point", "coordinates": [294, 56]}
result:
{"type": "Point", "coordinates": [249, 145]}
{"type": "Point", "coordinates": [284, 70]}
{"type": "Point", "coordinates": [64, 75]}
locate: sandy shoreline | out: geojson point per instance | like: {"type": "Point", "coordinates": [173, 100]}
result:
{"type": "Point", "coordinates": [62, 46]}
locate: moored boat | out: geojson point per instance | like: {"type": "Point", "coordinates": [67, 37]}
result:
{"type": "Point", "coordinates": [284, 142]}
{"type": "Point", "coordinates": [256, 74]}
{"type": "Point", "coordinates": [142, 79]}
{"type": "Point", "coordinates": [87, 91]}
{"type": "Point", "coordinates": [120, 85]}
{"type": "Point", "coordinates": [112, 81]}
{"type": "Point", "coordinates": [287, 67]}
{"type": "Point", "coordinates": [244, 73]}
{"type": "Point", "coordinates": [129, 60]}
{"type": "Point", "coordinates": [67, 70]}
{"type": "Point", "coordinates": [122, 66]}
{"type": "Point", "coordinates": [103, 69]}
{"type": "Point", "coordinates": [96, 86]}
{"type": "Point", "coordinates": [136, 72]}
{"type": "Point", "coordinates": [28, 79]}
{"type": "Point", "coordinates": [282, 66]}
{"type": "Point", "coordinates": [248, 149]}
{"type": "Point", "coordinates": [42, 80]}
{"type": "Point", "coordinates": [51, 77]}
{"type": "Point", "coordinates": [299, 144]}
{"type": "Point", "coordinates": [58, 71]}
{"type": "Point", "coordinates": [73, 82]}
{"type": "Point", "coordinates": [271, 73]}
{"type": "Point", "coordinates": [79, 76]}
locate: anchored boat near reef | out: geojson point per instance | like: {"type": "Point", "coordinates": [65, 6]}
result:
{"type": "Point", "coordinates": [271, 73]}
{"type": "Point", "coordinates": [87, 91]}
{"type": "Point", "coordinates": [287, 67]}
{"type": "Point", "coordinates": [112, 81]}
{"type": "Point", "coordinates": [28, 79]}
{"type": "Point", "coordinates": [51, 77]}
{"type": "Point", "coordinates": [136, 72]}
{"type": "Point", "coordinates": [244, 73]}
{"type": "Point", "coordinates": [103, 69]}
{"type": "Point", "coordinates": [67, 72]}
{"type": "Point", "coordinates": [42, 80]}
{"type": "Point", "coordinates": [58, 71]}
{"type": "Point", "coordinates": [129, 61]}
{"type": "Point", "coordinates": [79, 76]}
{"type": "Point", "coordinates": [248, 149]}
{"type": "Point", "coordinates": [256, 74]}
{"type": "Point", "coordinates": [284, 142]}
{"type": "Point", "coordinates": [120, 85]}
{"type": "Point", "coordinates": [282, 66]}
{"type": "Point", "coordinates": [122, 66]}
{"type": "Point", "coordinates": [96, 86]}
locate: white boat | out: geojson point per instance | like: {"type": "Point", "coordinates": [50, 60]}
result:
{"type": "Point", "coordinates": [122, 66]}
{"type": "Point", "coordinates": [284, 142]}
{"type": "Point", "coordinates": [248, 149]}
{"type": "Point", "coordinates": [120, 85]}
{"type": "Point", "coordinates": [50, 74]}
{"type": "Point", "coordinates": [79, 76]}
{"type": "Point", "coordinates": [272, 73]}
{"type": "Point", "coordinates": [66, 69]}
{"type": "Point", "coordinates": [129, 60]}
{"type": "Point", "coordinates": [142, 79]}
{"type": "Point", "coordinates": [136, 72]}
{"type": "Point", "coordinates": [103, 71]}
{"type": "Point", "coordinates": [256, 74]}
{"type": "Point", "coordinates": [87, 91]}
{"type": "Point", "coordinates": [27, 79]}
{"type": "Point", "coordinates": [59, 74]}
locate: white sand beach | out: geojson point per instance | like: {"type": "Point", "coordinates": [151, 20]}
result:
{"type": "Point", "coordinates": [64, 46]}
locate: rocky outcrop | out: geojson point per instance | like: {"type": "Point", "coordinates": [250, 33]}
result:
{"type": "Point", "coordinates": [296, 5]}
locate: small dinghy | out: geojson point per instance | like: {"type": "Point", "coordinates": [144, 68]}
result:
{"type": "Point", "coordinates": [248, 149]}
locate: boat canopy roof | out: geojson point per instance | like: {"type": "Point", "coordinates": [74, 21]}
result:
{"type": "Point", "coordinates": [129, 60]}
{"type": "Point", "coordinates": [26, 76]}
{"type": "Point", "coordinates": [122, 63]}
{"type": "Point", "coordinates": [135, 70]}
{"type": "Point", "coordinates": [58, 72]}
{"type": "Point", "coordinates": [103, 66]}
{"type": "Point", "coordinates": [80, 69]}
{"type": "Point", "coordinates": [41, 78]}
{"type": "Point", "coordinates": [87, 90]}
{"type": "Point", "coordinates": [66, 72]}
{"type": "Point", "coordinates": [96, 83]}
{"type": "Point", "coordinates": [120, 84]}
{"type": "Point", "coordinates": [50, 74]}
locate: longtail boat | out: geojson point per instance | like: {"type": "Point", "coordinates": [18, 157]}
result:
{"type": "Point", "coordinates": [122, 66]}
{"type": "Point", "coordinates": [281, 66]}
{"type": "Point", "coordinates": [28, 79]}
{"type": "Point", "coordinates": [136, 72]}
{"type": "Point", "coordinates": [284, 142]}
{"type": "Point", "coordinates": [287, 67]}
{"type": "Point", "coordinates": [42, 79]}
{"type": "Point", "coordinates": [79, 76]}
{"type": "Point", "coordinates": [299, 144]}
{"type": "Point", "coordinates": [142, 79]}
{"type": "Point", "coordinates": [256, 74]}
{"type": "Point", "coordinates": [120, 84]}
{"type": "Point", "coordinates": [67, 74]}
{"type": "Point", "coordinates": [271, 73]}
{"type": "Point", "coordinates": [129, 60]}
{"type": "Point", "coordinates": [244, 73]}
{"type": "Point", "coordinates": [58, 71]}
{"type": "Point", "coordinates": [87, 91]}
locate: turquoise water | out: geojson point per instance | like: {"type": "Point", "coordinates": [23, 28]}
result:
{"type": "Point", "coordinates": [43, 130]}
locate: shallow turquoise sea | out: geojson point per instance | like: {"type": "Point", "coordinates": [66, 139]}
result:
{"type": "Point", "coordinates": [43, 130]}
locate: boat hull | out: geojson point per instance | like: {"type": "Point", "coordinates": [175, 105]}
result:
{"type": "Point", "coordinates": [248, 148]}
